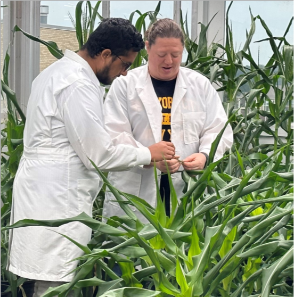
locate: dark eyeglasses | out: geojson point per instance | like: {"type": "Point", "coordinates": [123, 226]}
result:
{"type": "Point", "coordinates": [127, 65]}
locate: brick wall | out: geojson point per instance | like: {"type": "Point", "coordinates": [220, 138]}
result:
{"type": "Point", "coordinates": [65, 39]}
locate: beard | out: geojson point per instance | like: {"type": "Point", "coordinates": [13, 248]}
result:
{"type": "Point", "coordinates": [103, 76]}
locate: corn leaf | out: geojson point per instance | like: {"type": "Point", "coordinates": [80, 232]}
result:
{"type": "Point", "coordinates": [270, 275]}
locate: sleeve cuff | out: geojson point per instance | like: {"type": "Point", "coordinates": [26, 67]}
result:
{"type": "Point", "coordinates": [144, 156]}
{"type": "Point", "coordinates": [206, 156]}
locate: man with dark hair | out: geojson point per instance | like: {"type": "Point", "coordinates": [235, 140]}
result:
{"type": "Point", "coordinates": [64, 129]}
{"type": "Point", "coordinates": [120, 38]}
{"type": "Point", "coordinates": [115, 34]}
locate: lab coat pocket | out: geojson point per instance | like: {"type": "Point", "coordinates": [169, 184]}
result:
{"type": "Point", "coordinates": [192, 125]}
{"type": "Point", "coordinates": [88, 190]}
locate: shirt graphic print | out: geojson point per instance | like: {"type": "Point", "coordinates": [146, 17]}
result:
{"type": "Point", "coordinates": [165, 91]}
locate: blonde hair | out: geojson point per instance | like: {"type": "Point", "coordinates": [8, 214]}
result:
{"type": "Point", "coordinates": [164, 28]}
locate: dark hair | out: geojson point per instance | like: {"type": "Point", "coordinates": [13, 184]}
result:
{"type": "Point", "coordinates": [116, 34]}
{"type": "Point", "coordinates": [164, 28]}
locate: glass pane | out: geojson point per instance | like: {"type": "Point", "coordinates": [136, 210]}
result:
{"type": "Point", "coordinates": [186, 7]}
{"type": "Point", "coordinates": [61, 12]}
{"type": "Point", "coordinates": [56, 25]}
{"type": "Point", "coordinates": [123, 9]}
{"type": "Point", "coordinates": [276, 15]}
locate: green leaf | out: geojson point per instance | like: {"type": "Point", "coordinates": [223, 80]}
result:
{"type": "Point", "coordinates": [52, 46]}
{"type": "Point", "coordinates": [251, 278]}
{"type": "Point", "coordinates": [131, 292]}
{"type": "Point", "coordinates": [108, 286]}
{"type": "Point", "coordinates": [127, 269]}
{"type": "Point", "coordinates": [194, 249]}
{"type": "Point", "coordinates": [288, 60]}
{"type": "Point", "coordinates": [116, 194]}
{"type": "Point", "coordinates": [224, 276]}
{"type": "Point", "coordinates": [202, 44]}
{"type": "Point", "coordinates": [82, 218]}
{"type": "Point", "coordinates": [195, 276]}
{"type": "Point", "coordinates": [144, 272]}
{"type": "Point", "coordinates": [79, 30]}
{"type": "Point", "coordinates": [283, 176]}
{"type": "Point", "coordinates": [160, 212]}
{"type": "Point", "coordinates": [93, 18]}
{"type": "Point", "coordinates": [274, 47]}
{"type": "Point", "coordinates": [261, 72]}
{"type": "Point", "coordinates": [260, 228]}
{"type": "Point", "coordinates": [253, 93]}
{"type": "Point", "coordinates": [262, 249]}
{"type": "Point", "coordinates": [6, 67]}
{"type": "Point", "coordinates": [251, 33]}
{"type": "Point", "coordinates": [165, 262]}
{"type": "Point", "coordinates": [132, 251]}
{"type": "Point", "coordinates": [180, 277]}
{"type": "Point", "coordinates": [170, 245]}
{"type": "Point", "coordinates": [85, 249]}
{"type": "Point", "coordinates": [7, 186]}
{"type": "Point", "coordinates": [270, 275]}
{"type": "Point", "coordinates": [218, 138]}
{"type": "Point", "coordinates": [12, 97]}
{"type": "Point", "coordinates": [84, 271]}
{"type": "Point", "coordinates": [240, 162]}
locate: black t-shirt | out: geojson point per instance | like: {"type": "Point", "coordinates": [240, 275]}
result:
{"type": "Point", "coordinates": [165, 91]}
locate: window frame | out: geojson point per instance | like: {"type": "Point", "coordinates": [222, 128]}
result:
{"type": "Point", "coordinates": [25, 54]}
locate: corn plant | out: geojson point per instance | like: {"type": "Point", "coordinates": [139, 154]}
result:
{"type": "Point", "coordinates": [244, 247]}
{"type": "Point", "coordinates": [11, 151]}
{"type": "Point", "coordinates": [235, 241]}
{"type": "Point", "coordinates": [249, 87]}
{"type": "Point", "coordinates": [230, 234]}
{"type": "Point", "coordinates": [85, 20]}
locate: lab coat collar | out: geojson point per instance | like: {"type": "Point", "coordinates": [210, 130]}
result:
{"type": "Point", "coordinates": [180, 91]}
{"type": "Point", "coordinates": [152, 106]}
{"type": "Point", "coordinates": [147, 94]}
{"type": "Point", "coordinates": [75, 57]}
{"type": "Point", "coordinates": [143, 77]}
{"type": "Point", "coordinates": [150, 101]}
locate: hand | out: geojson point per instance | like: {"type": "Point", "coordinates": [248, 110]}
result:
{"type": "Point", "coordinates": [162, 150]}
{"type": "Point", "coordinates": [173, 165]}
{"type": "Point", "coordinates": [194, 162]}
{"type": "Point", "coordinates": [151, 165]}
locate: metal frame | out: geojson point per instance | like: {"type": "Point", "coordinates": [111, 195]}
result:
{"type": "Point", "coordinates": [106, 9]}
{"type": "Point", "coordinates": [24, 53]}
{"type": "Point", "coordinates": [203, 12]}
{"type": "Point", "coordinates": [177, 11]}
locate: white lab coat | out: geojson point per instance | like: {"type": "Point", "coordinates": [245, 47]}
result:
{"type": "Point", "coordinates": [55, 179]}
{"type": "Point", "coordinates": [132, 109]}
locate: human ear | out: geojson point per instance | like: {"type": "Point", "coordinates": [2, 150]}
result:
{"type": "Point", "coordinates": [106, 53]}
{"type": "Point", "coordinates": [147, 45]}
